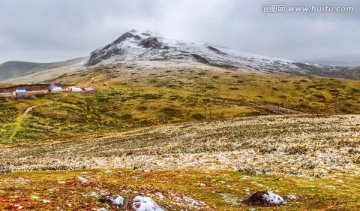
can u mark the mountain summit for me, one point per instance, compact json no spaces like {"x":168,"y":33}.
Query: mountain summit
{"x":147,"y":46}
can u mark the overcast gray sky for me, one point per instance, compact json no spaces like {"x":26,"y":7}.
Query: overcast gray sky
{"x":53,"y":30}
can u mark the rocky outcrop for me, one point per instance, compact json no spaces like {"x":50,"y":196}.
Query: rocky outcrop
{"x":134,"y":203}
{"x":151,"y":42}
{"x":265,"y":199}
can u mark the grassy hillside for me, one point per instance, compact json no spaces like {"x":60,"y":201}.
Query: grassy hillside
{"x":138,"y":98}
{"x":18,"y":68}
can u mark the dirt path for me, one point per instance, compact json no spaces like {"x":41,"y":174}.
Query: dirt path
{"x":19,"y":120}
{"x":280,"y":110}
{"x":28,"y":110}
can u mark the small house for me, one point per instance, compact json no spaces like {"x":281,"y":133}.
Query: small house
{"x":54,"y":88}
{"x":20,"y":91}
{"x":89,"y":89}
{"x":74,"y":89}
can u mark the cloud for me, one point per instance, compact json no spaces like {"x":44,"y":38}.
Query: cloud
{"x":44,"y":30}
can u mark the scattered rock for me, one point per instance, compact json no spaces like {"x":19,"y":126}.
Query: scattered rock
{"x":82,"y":180}
{"x":202,"y":185}
{"x":141,"y":203}
{"x":230,"y":199}
{"x":113,"y":200}
{"x":191,"y":202}
{"x":94,"y":194}
{"x":21,"y":180}
{"x":265,"y":199}
{"x":292,"y":197}
{"x":159,"y":195}
{"x":19,"y":207}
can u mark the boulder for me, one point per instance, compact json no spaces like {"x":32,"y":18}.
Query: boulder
{"x":264,"y":198}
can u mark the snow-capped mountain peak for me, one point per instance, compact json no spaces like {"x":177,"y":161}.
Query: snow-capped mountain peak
{"x":147,"y":46}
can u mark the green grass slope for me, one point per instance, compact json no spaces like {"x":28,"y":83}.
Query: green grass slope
{"x":151,"y":97}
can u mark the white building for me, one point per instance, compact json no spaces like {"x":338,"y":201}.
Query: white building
{"x":19,"y":91}
{"x":75,"y":89}
{"x":54,"y":88}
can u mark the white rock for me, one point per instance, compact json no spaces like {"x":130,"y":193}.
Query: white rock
{"x":82,"y":179}
{"x":273,"y":198}
{"x":160,"y":195}
{"x":143,"y":203}
{"x":94,"y":194}
{"x":19,"y":207}
{"x":190,"y":201}
{"x":46,"y":201}
{"x":116,"y":200}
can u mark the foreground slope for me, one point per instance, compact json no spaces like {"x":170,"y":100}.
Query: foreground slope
{"x":173,"y":189}
{"x":312,"y":161}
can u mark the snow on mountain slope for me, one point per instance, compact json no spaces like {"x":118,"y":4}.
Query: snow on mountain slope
{"x":136,"y":46}
{"x":149,"y":50}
